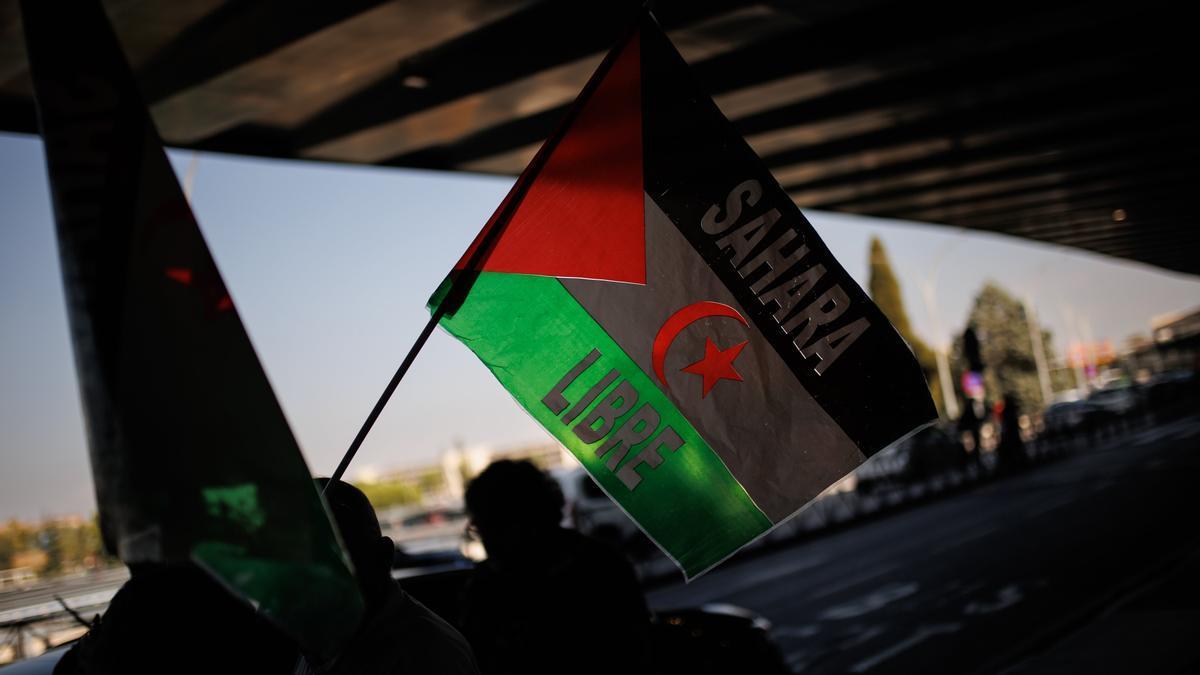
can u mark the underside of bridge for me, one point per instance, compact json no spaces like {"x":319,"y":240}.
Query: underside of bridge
{"x":1064,"y":122}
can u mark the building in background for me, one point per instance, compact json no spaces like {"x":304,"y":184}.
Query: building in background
{"x":1173,"y":345}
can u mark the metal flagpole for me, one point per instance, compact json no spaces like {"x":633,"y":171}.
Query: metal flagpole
{"x":1039,"y":352}
{"x":461,"y":284}
{"x":387,"y":393}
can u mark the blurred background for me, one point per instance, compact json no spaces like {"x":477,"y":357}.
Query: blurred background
{"x":1011,"y":184}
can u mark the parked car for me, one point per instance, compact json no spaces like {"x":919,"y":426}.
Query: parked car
{"x":883,"y":469}
{"x":928,"y":452}
{"x":1116,"y":401}
{"x":592,"y":512}
{"x":1170,"y":390}
{"x":434,"y":516}
{"x":1066,"y":418}
{"x":714,"y":639}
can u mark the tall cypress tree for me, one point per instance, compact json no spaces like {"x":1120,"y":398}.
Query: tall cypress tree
{"x":885,"y":291}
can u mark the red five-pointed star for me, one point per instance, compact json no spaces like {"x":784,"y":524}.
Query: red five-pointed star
{"x":717,"y":364}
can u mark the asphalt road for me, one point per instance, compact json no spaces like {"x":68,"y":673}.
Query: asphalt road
{"x":81,"y":591}
{"x":973,"y":582}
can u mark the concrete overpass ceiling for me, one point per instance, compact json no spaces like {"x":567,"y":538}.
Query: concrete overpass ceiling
{"x":1070,"y":122}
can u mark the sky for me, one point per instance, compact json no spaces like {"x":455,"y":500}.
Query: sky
{"x":330,"y":267}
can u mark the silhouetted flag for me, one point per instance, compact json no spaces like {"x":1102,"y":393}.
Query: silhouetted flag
{"x":191,"y":455}
{"x":660,"y":305}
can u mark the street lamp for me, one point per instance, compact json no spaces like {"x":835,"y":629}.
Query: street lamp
{"x":941,"y":345}
{"x":1035,"y":332}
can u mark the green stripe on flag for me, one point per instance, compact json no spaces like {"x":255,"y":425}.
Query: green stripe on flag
{"x":530,"y":332}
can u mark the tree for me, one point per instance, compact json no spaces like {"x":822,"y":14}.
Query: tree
{"x":15,"y":537}
{"x":391,"y":493}
{"x":885,"y":291}
{"x":1002,"y":328}
{"x":50,"y":540}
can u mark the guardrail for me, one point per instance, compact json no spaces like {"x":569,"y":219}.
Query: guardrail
{"x":31,"y":630}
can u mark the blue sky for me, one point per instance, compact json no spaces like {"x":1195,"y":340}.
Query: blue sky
{"x":330,"y":267}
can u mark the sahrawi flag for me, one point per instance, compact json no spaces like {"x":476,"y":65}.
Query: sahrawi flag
{"x":650,"y":295}
{"x":191,"y":456}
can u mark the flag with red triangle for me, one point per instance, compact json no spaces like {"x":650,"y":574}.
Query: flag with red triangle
{"x":192,"y":459}
{"x":653,"y":298}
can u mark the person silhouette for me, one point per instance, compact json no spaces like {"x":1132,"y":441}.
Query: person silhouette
{"x":397,"y":633}
{"x":969,"y":423}
{"x":1010,"y":453}
{"x":547,"y":599}
{"x":177,"y":619}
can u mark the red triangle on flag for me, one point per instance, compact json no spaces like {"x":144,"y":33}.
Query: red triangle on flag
{"x":582,"y":214}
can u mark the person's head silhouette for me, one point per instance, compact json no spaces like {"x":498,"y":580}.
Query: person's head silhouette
{"x":514,"y":506}
{"x":546,"y":591}
{"x":370,"y":552}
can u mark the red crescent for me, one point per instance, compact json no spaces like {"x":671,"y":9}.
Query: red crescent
{"x":680,"y":320}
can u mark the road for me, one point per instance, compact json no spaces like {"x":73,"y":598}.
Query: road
{"x":972,"y":582}
{"x":81,"y":591}
{"x":966,"y":583}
